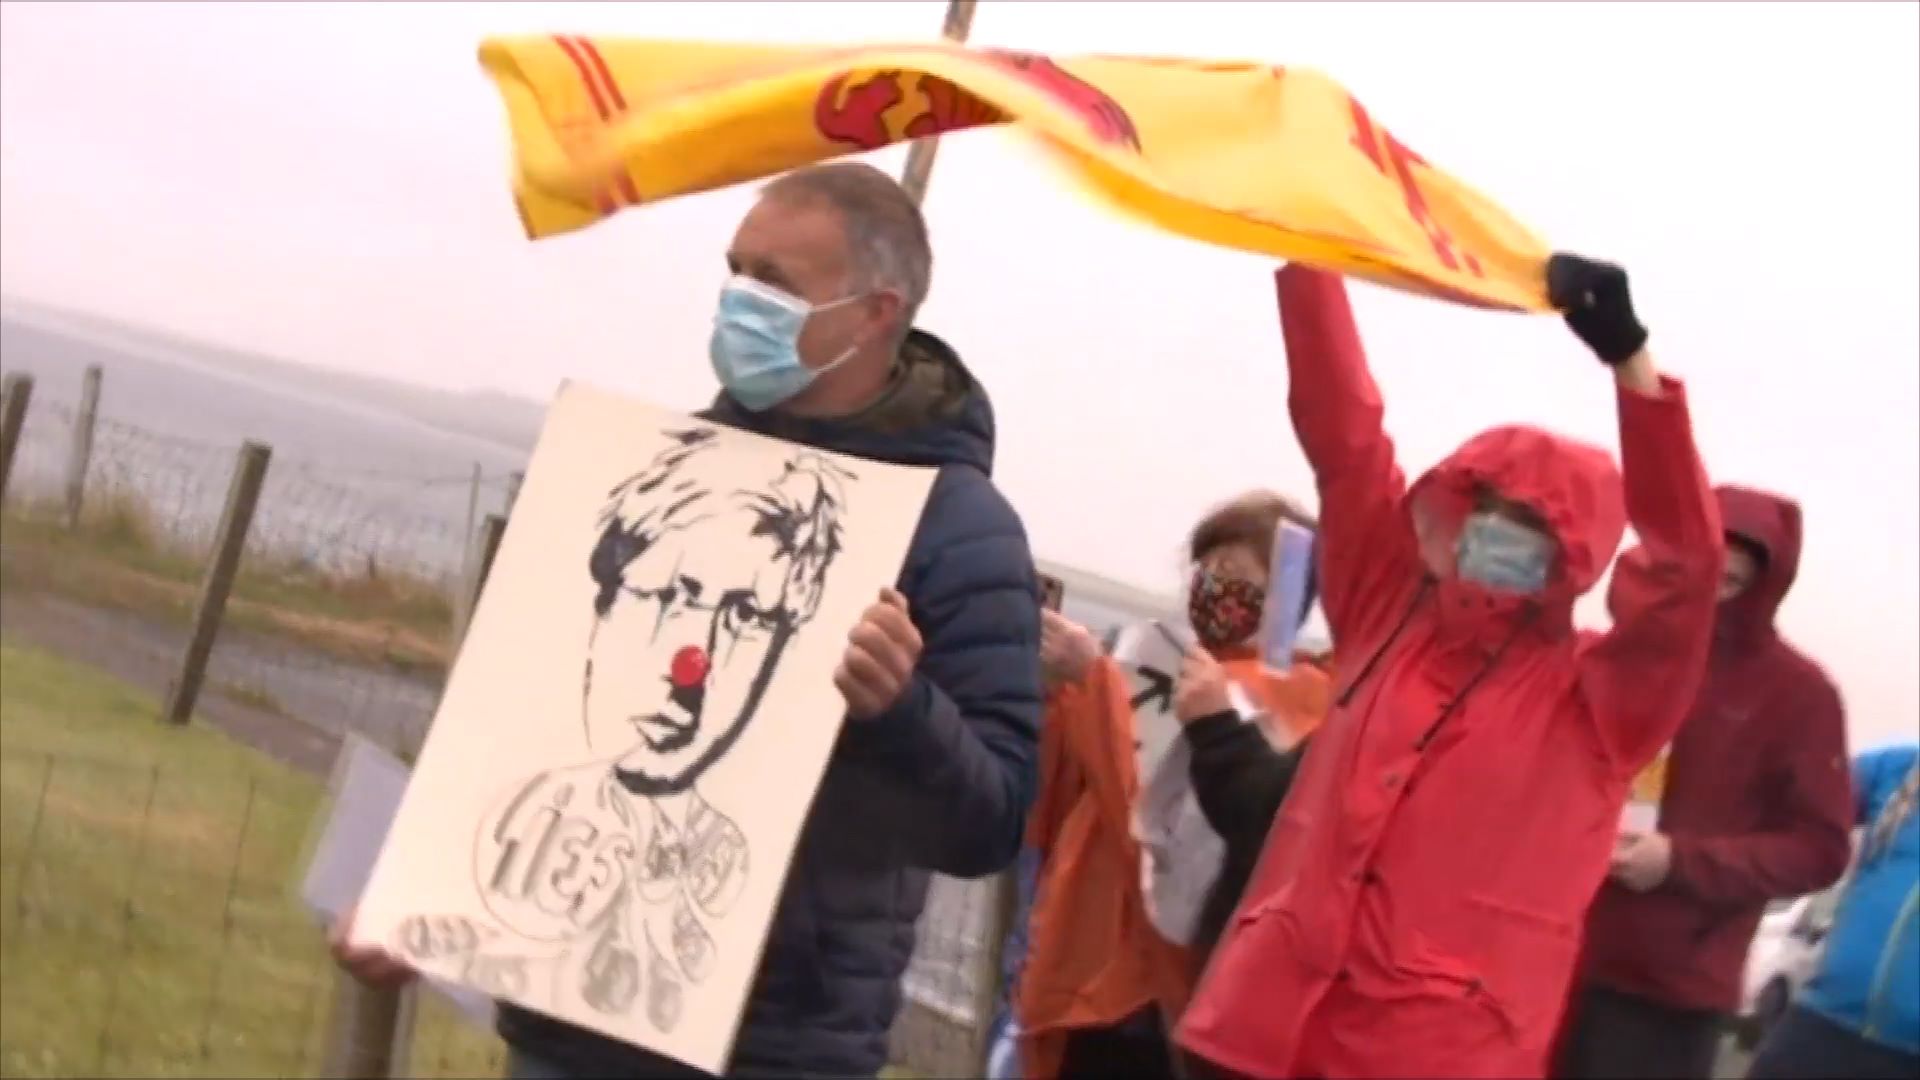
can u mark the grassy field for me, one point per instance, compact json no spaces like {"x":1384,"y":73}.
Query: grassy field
{"x":117,"y":559}
{"x":148,"y":925}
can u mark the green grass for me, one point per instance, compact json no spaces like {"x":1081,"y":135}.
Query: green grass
{"x":148,"y":924}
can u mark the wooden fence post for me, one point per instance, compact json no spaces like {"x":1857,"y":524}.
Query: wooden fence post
{"x":467,"y":536}
{"x":363,"y":1031}
{"x":485,"y":546}
{"x":249,"y":473}
{"x":15,"y":392}
{"x":81,"y":455}
{"x":370,"y":1035}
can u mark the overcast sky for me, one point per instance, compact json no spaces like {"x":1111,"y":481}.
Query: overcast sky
{"x":328,"y":183}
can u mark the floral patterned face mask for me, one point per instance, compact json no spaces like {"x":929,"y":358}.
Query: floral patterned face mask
{"x":1225,"y":611}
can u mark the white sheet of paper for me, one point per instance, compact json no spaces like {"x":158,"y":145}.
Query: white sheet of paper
{"x":365,"y":791}
{"x":643,"y":707}
{"x":1640,"y":817}
{"x":1152,"y":664}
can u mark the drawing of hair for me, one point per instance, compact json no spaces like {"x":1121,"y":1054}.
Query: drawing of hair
{"x":678,"y":539}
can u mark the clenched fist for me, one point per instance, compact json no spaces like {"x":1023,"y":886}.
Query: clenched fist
{"x":1067,"y":649}
{"x":881,"y":654}
{"x":1202,"y":689}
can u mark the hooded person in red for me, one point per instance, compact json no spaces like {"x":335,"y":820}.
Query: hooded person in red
{"x":1417,"y":908}
{"x":1756,"y":805}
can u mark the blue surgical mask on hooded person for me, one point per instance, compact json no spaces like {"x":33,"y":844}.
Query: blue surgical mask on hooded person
{"x":1504,"y":555}
{"x":755,"y":346}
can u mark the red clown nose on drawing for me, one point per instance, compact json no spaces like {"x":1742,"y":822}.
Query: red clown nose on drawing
{"x":689,"y":667}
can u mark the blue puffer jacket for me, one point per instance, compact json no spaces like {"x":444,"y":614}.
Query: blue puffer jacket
{"x":940,"y":784}
{"x":1869,"y":977}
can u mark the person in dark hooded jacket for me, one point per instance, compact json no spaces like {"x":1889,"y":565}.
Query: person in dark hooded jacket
{"x":1756,"y":805}
{"x":934,"y":769}
{"x":1417,"y":907}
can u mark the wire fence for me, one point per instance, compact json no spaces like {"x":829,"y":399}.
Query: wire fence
{"x":150,"y":927}
{"x":341,"y":619}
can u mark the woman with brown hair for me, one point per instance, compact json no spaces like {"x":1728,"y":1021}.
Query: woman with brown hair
{"x":1101,"y":987}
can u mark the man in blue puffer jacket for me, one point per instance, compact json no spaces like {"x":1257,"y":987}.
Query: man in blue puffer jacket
{"x":934,"y":769}
{"x":1860,"y":1014}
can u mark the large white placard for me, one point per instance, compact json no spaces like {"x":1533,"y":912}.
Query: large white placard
{"x":602,"y":816}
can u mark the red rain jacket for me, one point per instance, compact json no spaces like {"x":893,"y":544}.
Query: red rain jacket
{"x":1418,"y":905}
{"x":1758,"y":801}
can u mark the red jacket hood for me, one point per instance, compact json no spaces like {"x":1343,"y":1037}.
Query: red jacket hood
{"x":1759,"y":517}
{"x":1574,"y":486}
{"x":1773,"y":522}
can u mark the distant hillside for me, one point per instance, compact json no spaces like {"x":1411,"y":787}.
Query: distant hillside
{"x":488,"y":415}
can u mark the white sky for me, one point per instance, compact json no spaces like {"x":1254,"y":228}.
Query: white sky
{"x":328,"y":183}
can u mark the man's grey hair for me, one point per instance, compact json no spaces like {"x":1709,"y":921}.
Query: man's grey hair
{"x":886,"y":233}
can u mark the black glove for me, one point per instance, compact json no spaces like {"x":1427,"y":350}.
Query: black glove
{"x":1599,"y":309}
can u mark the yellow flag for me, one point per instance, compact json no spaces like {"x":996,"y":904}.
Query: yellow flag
{"x":1280,"y":161}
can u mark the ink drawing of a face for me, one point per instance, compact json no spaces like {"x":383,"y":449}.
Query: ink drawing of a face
{"x":700,"y":585}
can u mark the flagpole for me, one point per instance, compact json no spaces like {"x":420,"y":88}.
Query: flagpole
{"x":920,"y":156}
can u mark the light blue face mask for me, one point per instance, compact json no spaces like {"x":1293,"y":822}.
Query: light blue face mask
{"x":755,"y":346}
{"x":1504,"y":555}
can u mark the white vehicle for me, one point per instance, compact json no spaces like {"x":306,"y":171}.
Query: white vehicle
{"x":1785,"y":950}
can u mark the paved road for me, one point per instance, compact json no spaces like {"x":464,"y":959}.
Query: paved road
{"x":314,"y":699}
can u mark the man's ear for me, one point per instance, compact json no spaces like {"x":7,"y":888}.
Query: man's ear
{"x":884,"y":310}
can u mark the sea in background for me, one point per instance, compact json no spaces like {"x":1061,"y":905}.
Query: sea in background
{"x":349,"y":479}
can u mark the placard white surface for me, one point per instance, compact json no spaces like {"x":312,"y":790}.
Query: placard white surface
{"x":613,"y":786}
{"x":365,"y":793}
{"x":1151,"y":654}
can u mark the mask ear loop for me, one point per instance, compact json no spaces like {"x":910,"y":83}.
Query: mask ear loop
{"x":815,"y":309}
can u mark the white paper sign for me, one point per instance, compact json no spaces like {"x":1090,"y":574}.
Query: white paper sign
{"x":614,"y":783}
{"x":1180,"y":854}
{"x":1151,"y":655}
{"x":366,"y":789}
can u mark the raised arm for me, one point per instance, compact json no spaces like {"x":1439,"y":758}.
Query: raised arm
{"x":1369,"y":560}
{"x":1640,"y":679}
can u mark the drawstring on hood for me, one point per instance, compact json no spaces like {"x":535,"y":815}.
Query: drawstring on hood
{"x":1426,"y":585}
{"x":1574,"y":487}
